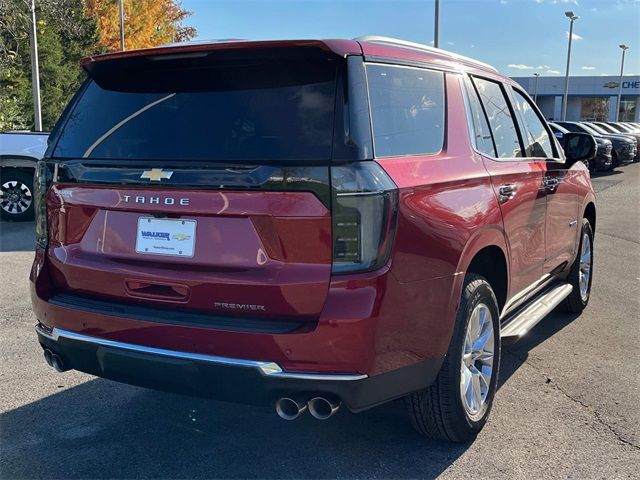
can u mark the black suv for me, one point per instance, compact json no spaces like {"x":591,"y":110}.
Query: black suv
{"x":624,"y":147}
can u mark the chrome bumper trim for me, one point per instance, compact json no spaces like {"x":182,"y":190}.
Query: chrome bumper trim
{"x":270,"y":369}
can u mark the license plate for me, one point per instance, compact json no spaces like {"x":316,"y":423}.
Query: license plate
{"x":161,"y":236}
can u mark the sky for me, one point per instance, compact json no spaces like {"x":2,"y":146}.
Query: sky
{"x":519,"y":37}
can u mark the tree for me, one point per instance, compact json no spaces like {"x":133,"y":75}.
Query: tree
{"x":147,"y":23}
{"x":65,"y":35}
{"x":14,"y":83}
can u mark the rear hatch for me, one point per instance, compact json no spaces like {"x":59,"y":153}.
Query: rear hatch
{"x":197,"y":187}
{"x":197,"y":183}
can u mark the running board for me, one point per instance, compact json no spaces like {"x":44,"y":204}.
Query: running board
{"x":525,"y":319}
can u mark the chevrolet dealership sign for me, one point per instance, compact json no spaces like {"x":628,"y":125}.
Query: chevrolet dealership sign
{"x":627,"y":84}
{"x":588,"y":86}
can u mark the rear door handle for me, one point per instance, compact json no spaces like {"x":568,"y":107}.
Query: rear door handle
{"x":507,"y":192}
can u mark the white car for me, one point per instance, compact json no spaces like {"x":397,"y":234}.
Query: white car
{"x":19,"y":152}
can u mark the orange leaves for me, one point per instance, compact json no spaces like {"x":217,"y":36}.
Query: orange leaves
{"x":147,"y":23}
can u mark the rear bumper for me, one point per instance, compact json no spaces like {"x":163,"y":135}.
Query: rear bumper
{"x":227,"y":379}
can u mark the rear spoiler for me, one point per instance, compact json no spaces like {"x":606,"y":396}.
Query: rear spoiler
{"x":341,"y":48}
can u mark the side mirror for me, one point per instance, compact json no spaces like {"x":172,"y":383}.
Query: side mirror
{"x":578,"y":147}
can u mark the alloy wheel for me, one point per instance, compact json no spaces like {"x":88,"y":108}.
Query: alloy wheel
{"x":15,"y":197}
{"x":476,"y":366}
{"x":584,"y":274}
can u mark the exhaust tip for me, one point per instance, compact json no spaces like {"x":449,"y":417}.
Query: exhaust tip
{"x":57,"y":363}
{"x":289,"y":408}
{"x":47,"y":357}
{"x":322,"y":408}
{"x":54,"y":361}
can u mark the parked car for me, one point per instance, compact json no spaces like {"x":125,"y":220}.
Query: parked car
{"x":623,"y":146}
{"x":603,"y":127}
{"x":307,"y":224}
{"x":602,"y":159}
{"x":19,"y":152}
{"x":620,"y":127}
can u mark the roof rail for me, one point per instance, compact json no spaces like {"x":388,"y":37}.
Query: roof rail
{"x":424,"y":48}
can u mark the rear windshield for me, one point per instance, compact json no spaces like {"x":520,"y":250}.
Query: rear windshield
{"x":260,"y":110}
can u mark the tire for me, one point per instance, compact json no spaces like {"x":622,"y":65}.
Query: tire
{"x":578,"y":299}
{"x":16,"y":195}
{"x":614,"y":160}
{"x":439,"y":411}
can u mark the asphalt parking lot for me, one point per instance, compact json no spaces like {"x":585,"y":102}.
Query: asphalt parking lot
{"x":567,"y":405}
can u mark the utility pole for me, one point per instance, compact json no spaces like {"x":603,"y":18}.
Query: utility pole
{"x":436,"y":25}
{"x":624,"y":49}
{"x":121,"y":11}
{"x":573,"y":18}
{"x":35,"y":69}
{"x":535,"y":89}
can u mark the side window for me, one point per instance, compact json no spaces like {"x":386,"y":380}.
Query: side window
{"x":503,"y":126}
{"x":478,"y":121}
{"x":537,"y":140}
{"x":407,"y":110}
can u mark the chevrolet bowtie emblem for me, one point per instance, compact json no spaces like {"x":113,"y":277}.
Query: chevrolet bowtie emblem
{"x":156,"y":174}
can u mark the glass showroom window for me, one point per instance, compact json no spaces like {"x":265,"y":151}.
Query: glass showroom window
{"x":595,"y":109}
{"x":628,"y":107}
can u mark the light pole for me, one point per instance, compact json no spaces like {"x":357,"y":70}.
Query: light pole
{"x":35,"y":70}
{"x":573,"y":18}
{"x":624,"y":49}
{"x":436,"y":25}
{"x":535,"y":88}
{"x":121,"y":12}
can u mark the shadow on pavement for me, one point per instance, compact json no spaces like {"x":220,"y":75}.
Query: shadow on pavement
{"x":513,"y":356}
{"x":17,"y":236}
{"x":101,"y":429}
{"x":602,"y":174}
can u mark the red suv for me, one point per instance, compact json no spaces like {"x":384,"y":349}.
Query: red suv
{"x":307,"y":224}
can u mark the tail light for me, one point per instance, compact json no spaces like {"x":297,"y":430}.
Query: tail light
{"x":40,"y":187}
{"x":364,"y":209}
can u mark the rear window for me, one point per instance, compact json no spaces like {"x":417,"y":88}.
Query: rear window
{"x":259,"y":110}
{"x":407,"y":110}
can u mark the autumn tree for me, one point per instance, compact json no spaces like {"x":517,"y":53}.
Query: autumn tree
{"x":147,"y":23}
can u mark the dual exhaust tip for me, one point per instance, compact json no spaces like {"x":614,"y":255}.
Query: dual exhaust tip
{"x":54,"y":361}
{"x":321,"y":408}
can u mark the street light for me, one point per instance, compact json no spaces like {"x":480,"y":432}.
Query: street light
{"x":573,"y":18}
{"x":121,"y":13}
{"x":535,"y":88}
{"x":624,"y":49}
{"x":436,"y":25}
{"x":35,"y":71}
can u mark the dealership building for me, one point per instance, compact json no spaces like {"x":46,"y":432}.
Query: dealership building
{"x":589,"y":98}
